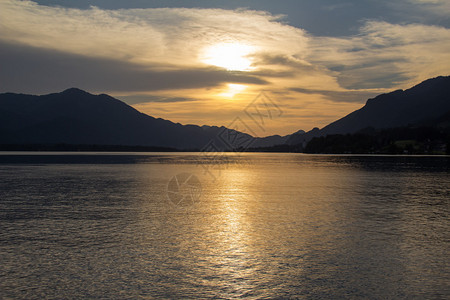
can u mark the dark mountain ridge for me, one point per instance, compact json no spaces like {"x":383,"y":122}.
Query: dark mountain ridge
{"x":422,"y":104}
{"x":80,"y":118}
{"x":427,"y":100}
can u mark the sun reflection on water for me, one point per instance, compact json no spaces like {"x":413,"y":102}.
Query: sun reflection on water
{"x":276,"y":226}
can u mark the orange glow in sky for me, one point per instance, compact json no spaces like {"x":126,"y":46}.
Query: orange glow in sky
{"x":232,"y":90}
{"x":204,"y":65}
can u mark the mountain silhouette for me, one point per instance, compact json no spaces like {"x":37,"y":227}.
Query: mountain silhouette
{"x":80,"y":118}
{"x":425,"y":103}
{"x":427,"y":100}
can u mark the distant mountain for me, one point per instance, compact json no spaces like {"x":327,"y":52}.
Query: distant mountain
{"x":423,"y":104}
{"x":302,"y":138}
{"x":427,"y":100}
{"x":80,"y":118}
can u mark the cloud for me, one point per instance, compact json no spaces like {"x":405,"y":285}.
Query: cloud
{"x":157,"y":52}
{"x":160,"y":48}
{"x":145,"y":36}
{"x":438,"y":7}
{"x":138,"y":99}
{"x":339,"y":96}
{"x":385,"y":55}
{"x":54,"y":71}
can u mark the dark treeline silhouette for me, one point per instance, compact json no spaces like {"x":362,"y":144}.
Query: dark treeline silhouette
{"x":422,"y":140}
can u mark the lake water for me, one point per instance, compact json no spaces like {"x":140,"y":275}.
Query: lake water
{"x":191,"y":225}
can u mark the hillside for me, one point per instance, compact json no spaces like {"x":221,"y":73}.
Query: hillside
{"x":427,"y":100}
{"x":76,"y":117}
{"x":80,"y":118}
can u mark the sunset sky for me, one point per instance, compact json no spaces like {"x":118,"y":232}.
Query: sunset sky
{"x":203,"y":62}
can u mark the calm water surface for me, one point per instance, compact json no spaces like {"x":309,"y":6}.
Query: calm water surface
{"x":262,"y":226}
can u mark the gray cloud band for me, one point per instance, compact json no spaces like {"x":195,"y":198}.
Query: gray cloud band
{"x":35,"y":70}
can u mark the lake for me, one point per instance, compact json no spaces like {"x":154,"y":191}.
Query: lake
{"x":211,"y":225}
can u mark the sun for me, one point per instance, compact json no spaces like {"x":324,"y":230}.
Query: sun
{"x":231,"y":56}
{"x":232,"y":90}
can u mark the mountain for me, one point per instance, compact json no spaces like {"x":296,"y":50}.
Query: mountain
{"x":80,"y":118}
{"x":414,"y":121}
{"x":302,"y":138}
{"x":427,"y":100}
{"x":423,"y":104}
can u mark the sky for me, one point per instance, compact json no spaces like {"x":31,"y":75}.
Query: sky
{"x":204,"y":62}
